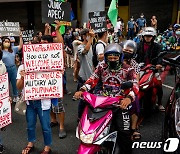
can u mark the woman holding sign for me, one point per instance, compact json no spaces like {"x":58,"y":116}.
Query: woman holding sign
{"x":8,"y":58}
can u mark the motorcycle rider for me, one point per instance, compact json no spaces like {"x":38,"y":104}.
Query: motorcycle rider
{"x":112,"y":73}
{"x":129,"y":50}
{"x":147,"y":51}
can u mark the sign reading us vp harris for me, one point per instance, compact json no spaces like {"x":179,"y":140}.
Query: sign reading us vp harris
{"x":5,"y":105}
{"x":98,"y":21}
{"x":9,"y":28}
{"x":55,"y":10}
{"x":43,"y":64}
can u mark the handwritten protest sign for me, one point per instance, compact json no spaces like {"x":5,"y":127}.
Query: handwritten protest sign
{"x":98,"y":21}
{"x":27,"y":35}
{"x":55,"y":10}
{"x":43,"y":85}
{"x":43,"y":57}
{"x":9,"y":29}
{"x":5,"y":105}
{"x":5,"y":112}
{"x":4,"y":86}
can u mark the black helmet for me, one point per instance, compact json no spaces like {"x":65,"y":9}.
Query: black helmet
{"x":116,"y":50}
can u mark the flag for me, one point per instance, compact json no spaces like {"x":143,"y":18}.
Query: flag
{"x":113,"y":12}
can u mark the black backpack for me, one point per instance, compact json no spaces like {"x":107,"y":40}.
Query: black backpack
{"x":95,"y":58}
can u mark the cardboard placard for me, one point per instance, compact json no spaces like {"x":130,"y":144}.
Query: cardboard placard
{"x":54,"y":10}
{"x":43,"y":85}
{"x":5,"y":112}
{"x":98,"y":21}
{"x":4,"y":86}
{"x":27,"y":35}
{"x":43,"y":57}
{"x":9,"y":29}
{"x":5,"y":105}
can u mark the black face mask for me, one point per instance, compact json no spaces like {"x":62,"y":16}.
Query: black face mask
{"x":128,"y":55}
{"x":114,"y":65}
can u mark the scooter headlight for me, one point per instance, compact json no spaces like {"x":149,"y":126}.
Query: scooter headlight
{"x":87,"y":138}
{"x":146,"y":86}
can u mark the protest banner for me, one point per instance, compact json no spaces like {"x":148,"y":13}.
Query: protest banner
{"x":43,"y":85}
{"x":43,"y":57}
{"x":9,"y":29}
{"x":5,"y":112}
{"x":27,"y":35}
{"x":55,"y":10}
{"x":5,"y":105}
{"x":98,"y":21}
{"x":4,"y":86}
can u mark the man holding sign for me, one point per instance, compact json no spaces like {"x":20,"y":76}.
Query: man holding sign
{"x":39,"y":103}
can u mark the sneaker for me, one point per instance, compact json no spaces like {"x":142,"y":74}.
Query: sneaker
{"x":2,"y":149}
{"x":161,"y":108}
{"x":62,"y":133}
{"x":74,"y":99}
{"x":67,"y":92}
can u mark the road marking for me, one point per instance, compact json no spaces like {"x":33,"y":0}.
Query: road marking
{"x":168,"y":86}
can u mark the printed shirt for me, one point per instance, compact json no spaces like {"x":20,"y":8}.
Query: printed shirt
{"x":135,"y":65}
{"x":113,"y":80}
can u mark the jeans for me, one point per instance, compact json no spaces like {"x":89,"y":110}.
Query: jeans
{"x":12,"y":74}
{"x":34,"y":109}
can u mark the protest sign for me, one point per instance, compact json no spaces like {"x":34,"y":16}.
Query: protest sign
{"x":27,"y":35}
{"x":4,"y":86}
{"x":54,"y":10}
{"x":9,"y":29}
{"x":98,"y":21}
{"x":43,"y":85}
{"x":43,"y":57}
{"x":5,"y":105}
{"x":5,"y":112}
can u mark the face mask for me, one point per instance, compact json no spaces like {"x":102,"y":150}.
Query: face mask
{"x":177,"y":32}
{"x":142,"y":16}
{"x":131,"y":19}
{"x":113,"y":65}
{"x":128,"y":55}
{"x":6,"y":45}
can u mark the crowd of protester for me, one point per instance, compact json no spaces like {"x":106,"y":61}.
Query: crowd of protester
{"x":84,"y":52}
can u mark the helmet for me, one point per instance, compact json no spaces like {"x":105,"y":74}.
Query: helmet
{"x":130,"y":45}
{"x":114,"y":49}
{"x":149,"y":31}
{"x":176,"y":26}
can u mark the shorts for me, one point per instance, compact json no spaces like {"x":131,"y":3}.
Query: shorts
{"x":59,"y":108}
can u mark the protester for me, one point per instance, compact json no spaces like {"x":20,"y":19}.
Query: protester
{"x":75,"y":44}
{"x":85,"y":55}
{"x":8,"y":58}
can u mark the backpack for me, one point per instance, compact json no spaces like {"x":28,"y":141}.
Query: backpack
{"x":95,"y":58}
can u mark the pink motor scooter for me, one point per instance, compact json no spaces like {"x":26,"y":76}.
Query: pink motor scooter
{"x":94,"y":128}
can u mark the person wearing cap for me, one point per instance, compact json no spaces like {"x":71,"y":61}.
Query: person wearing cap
{"x":131,"y":28}
{"x":85,"y":55}
{"x":141,"y":22}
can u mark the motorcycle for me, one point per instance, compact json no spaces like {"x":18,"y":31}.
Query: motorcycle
{"x":95,"y":126}
{"x":148,"y":87}
{"x":172,"y":109}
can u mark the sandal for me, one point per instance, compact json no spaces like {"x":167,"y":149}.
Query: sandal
{"x":46,"y":152}
{"x":28,"y":150}
{"x":135,"y":134}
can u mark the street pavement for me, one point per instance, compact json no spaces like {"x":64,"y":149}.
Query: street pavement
{"x":15,"y":137}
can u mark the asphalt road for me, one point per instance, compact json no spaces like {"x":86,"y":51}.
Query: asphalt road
{"x":15,"y":138}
